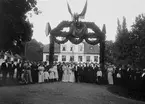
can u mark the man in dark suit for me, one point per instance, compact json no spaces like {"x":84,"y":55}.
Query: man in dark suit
{"x":76,"y":73}
{"x":11,"y":68}
{"x":4,"y":69}
{"x":19,"y":67}
{"x":60,"y":71}
{"x":86,"y":73}
{"x":34,"y":72}
{"x":79,"y":73}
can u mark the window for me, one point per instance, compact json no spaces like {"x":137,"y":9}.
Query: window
{"x":80,"y":48}
{"x":80,"y":58}
{"x":87,"y":58}
{"x":55,"y":57}
{"x":47,"y":57}
{"x":95,"y":58}
{"x":71,"y":48}
{"x":63,"y":58}
{"x":71,"y":58}
{"x":63,"y":48}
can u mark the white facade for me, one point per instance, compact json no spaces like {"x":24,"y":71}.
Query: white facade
{"x":71,"y":52}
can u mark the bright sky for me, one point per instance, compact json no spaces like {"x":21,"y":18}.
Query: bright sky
{"x":98,"y":11}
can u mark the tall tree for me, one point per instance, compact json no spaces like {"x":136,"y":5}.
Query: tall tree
{"x":34,"y":50}
{"x":14,"y":29}
{"x":109,"y":45}
{"x":138,"y":37}
{"x":121,"y":48}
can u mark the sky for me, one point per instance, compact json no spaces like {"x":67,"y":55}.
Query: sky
{"x":98,"y":11}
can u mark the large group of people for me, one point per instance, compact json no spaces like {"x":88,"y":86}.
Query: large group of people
{"x":129,"y":76}
{"x":39,"y":72}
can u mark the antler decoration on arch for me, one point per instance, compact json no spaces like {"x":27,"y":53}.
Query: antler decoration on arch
{"x":82,"y":14}
{"x":78,"y":30}
{"x":76,"y":16}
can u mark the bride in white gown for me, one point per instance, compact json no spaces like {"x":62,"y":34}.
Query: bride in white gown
{"x":68,"y":73}
{"x":65,"y":73}
{"x":71,"y":75}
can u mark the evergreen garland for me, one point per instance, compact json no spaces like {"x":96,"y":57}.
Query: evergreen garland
{"x":78,"y":37}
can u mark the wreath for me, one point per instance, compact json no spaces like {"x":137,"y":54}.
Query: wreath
{"x":92,"y":42}
{"x":77,"y":34}
{"x":93,"y":26}
{"x":58,"y":30}
{"x":60,"y":41}
{"x":75,"y":40}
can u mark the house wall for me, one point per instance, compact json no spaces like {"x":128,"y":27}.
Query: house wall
{"x":78,"y":50}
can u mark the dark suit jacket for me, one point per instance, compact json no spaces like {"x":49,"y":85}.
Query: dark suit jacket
{"x":11,"y":67}
{"x":19,"y":67}
{"x":4,"y":67}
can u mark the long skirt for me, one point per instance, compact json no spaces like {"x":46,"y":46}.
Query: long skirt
{"x":110,"y":78}
{"x":65,"y":77}
{"x":34,"y":76}
{"x":51,"y":75}
{"x":40,"y":76}
{"x":56,"y":75}
{"x":72,"y":77}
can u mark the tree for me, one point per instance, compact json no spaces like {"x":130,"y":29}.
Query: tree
{"x":122,"y":43}
{"x":109,"y":45}
{"x":14,"y":29}
{"x":34,"y":50}
{"x":138,"y":40}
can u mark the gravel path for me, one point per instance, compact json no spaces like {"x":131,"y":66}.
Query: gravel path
{"x":61,"y":93}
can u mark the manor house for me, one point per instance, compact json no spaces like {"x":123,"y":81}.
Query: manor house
{"x":69,"y":52}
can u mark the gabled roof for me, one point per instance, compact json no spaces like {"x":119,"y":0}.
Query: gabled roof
{"x":56,"y":48}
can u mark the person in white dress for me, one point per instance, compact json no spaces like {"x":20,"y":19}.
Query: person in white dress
{"x":41,"y":73}
{"x":51,"y":74}
{"x":65,"y":73}
{"x":99,"y":75}
{"x":55,"y":72}
{"x":71,"y":75}
{"x":46,"y":75}
{"x":110,"y":75}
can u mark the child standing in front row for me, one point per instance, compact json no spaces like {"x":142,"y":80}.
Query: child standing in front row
{"x":46,"y":76}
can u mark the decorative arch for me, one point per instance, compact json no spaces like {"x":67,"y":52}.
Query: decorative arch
{"x":78,"y":31}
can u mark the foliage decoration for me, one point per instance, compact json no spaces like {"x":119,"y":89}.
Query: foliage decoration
{"x":92,"y":42}
{"x":77,"y":32}
{"x":75,"y":40}
{"x":58,"y":30}
{"x":60,"y":41}
{"x":78,"y":29}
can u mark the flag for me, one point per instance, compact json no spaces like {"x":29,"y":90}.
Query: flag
{"x":48,"y":29}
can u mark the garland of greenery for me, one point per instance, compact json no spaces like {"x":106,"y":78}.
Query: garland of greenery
{"x":93,"y":26}
{"x":60,"y":41}
{"x":93,"y":42}
{"x":78,"y":37}
{"x":75,"y":40}
{"x":58,"y":30}
{"x":91,"y":35}
{"x":79,"y":31}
